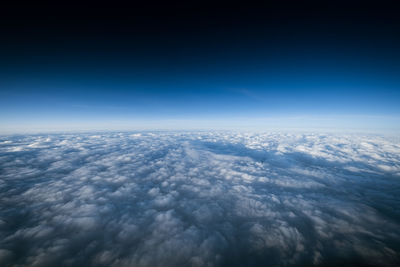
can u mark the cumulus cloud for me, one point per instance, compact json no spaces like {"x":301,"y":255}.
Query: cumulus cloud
{"x":199,"y":199}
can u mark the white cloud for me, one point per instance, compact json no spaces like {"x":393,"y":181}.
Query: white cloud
{"x":199,"y":199}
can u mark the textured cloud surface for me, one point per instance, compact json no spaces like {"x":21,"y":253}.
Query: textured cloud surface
{"x":199,"y":199}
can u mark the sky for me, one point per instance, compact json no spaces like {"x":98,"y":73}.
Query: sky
{"x":194,"y":65}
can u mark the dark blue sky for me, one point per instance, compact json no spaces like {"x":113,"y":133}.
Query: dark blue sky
{"x":73,"y":66}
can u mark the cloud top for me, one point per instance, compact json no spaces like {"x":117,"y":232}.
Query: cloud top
{"x":199,"y":199}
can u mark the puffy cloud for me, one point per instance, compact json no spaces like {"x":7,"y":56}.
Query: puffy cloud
{"x":199,"y":199}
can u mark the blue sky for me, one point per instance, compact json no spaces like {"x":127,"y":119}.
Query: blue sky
{"x":205,"y":97}
{"x":201,"y":70}
{"x":236,"y":93}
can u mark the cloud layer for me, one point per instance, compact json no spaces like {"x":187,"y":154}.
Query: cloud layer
{"x":199,"y":199}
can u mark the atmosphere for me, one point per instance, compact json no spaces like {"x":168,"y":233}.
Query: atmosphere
{"x":147,"y":65}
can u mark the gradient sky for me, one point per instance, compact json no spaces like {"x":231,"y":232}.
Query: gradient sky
{"x":199,"y":66}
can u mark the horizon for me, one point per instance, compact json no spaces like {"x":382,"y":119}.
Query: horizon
{"x":320,"y":124}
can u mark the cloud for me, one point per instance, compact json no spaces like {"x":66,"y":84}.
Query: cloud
{"x":199,"y":199}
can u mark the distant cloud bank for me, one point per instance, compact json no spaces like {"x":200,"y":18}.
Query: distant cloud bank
{"x":199,"y":199}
